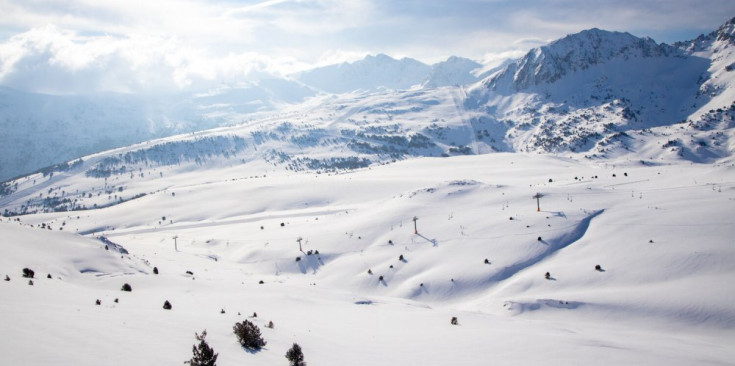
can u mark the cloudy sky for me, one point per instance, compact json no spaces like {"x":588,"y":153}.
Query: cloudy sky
{"x":75,"y":46}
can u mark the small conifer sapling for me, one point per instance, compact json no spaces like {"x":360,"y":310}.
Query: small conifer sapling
{"x":203,"y":354}
{"x":295,"y":356}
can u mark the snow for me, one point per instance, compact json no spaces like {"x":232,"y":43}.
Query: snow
{"x":305,"y":214}
{"x":666,"y":301}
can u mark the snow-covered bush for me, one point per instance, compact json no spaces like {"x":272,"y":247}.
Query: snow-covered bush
{"x":248,"y":334}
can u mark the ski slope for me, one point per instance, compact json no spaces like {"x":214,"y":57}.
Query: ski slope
{"x":660,"y":233}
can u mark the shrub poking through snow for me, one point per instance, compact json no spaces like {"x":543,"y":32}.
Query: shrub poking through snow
{"x":126,"y":287}
{"x":269,"y":325}
{"x":30,"y":282}
{"x":487,"y":261}
{"x":298,"y":259}
{"x":380,"y":278}
{"x":155,"y":270}
{"x":49,"y":276}
{"x":28,"y":273}
{"x":7,"y":278}
{"x":167,"y":305}
{"x":547,"y":275}
{"x":248,"y":334}
{"x":203,"y":354}
{"x":539,"y":238}
{"x":454,"y":321}
{"x":370,"y":271}
{"x":295,"y":356}
{"x":598,"y":268}
{"x":98,"y":302}
{"x":400,"y":258}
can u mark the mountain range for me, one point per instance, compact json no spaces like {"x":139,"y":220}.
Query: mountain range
{"x":598,"y":93}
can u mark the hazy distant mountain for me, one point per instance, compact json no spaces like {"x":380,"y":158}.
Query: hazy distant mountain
{"x":38,"y":130}
{"x":453,"y":71}
{"x":370,"y":73}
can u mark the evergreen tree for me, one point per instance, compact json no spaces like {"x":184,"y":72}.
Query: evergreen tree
{"x":203,"y":354}
{"x":248,"y":334}
{"x":295,"y":356}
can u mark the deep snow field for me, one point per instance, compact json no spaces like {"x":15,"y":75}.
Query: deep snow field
{"x":662,"y":234}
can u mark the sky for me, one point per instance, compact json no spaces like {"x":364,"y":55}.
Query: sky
{"x":82,"y":46}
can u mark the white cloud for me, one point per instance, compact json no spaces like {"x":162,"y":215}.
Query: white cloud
{"x":61,"y":62}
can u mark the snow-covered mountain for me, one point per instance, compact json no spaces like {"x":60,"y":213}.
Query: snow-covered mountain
{"x":453,"y":71}
{"x":382,"y":72}
{"x":607,"y":94}
{"x":370,"y":73}
{"x":572,"y":54}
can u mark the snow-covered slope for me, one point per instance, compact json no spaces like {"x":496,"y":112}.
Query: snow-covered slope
{"x":365,"y":278}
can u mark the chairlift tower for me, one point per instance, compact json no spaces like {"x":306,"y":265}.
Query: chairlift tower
{"x":538,"y":196}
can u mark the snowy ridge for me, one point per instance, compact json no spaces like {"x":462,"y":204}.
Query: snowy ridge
{"x":573,"y":53}
{"x":372,"y":72}
{"x":453,"y":71}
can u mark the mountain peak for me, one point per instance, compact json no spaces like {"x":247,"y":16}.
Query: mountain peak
{"x":574,"y":52}
{"x":726,"y":32}
{"x":372,"y":72}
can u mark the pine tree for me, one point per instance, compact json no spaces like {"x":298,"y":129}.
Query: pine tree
{"x":248,"y":334}
{"x":203,"y":354}
{"x":295,"y":356}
